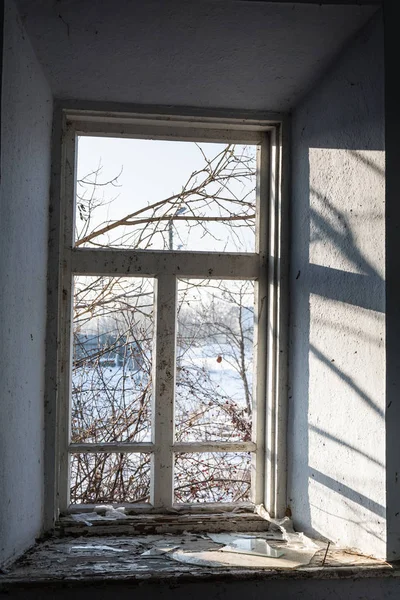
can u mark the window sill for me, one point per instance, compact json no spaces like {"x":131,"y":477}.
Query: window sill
{"x":147,"y":524}
{"x":83,"y":561}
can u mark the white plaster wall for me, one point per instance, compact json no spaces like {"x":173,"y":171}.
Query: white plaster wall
{"x":24,"y":195}
{"x":336,"y":480}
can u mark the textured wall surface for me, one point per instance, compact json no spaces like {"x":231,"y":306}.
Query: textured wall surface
{"x":337,"y":394}
{"x":245,"y":55}
{"x":25,"y":167}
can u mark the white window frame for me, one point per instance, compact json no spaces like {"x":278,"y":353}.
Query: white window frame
{"x":265,"y":266}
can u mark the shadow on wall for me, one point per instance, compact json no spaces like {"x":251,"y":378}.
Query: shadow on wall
{"x":337,"y":290}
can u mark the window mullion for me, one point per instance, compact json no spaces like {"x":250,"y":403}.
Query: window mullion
{"x":164,"y":390}
{"x":145,"y":263}
{"x":260,"y":324}
{"x":65,"y":324}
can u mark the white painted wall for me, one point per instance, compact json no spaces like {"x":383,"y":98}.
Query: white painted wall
{"x":336,"y":481}
{"x":25,"y":170}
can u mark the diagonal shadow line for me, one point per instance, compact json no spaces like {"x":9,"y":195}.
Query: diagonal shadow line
{"x":333,"y":438}
{"x":348,"y":492}
{"x":318,"y":354}
{"x":366,"y":291}
{"x":362,"y":524}
{"x":352,"y":330}
{"x":368,"y":162}
{"x":343,"y":241}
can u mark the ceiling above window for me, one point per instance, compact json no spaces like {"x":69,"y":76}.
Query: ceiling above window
{"x":239,"y":55}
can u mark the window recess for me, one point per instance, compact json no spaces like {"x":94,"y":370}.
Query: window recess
{"x":168,"y":312}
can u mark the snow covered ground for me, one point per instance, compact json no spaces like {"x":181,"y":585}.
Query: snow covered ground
{"x":114,"y":404}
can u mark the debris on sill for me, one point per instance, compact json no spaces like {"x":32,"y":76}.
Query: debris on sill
{"x":160,"y":546}
{"x":227,"y":541}
{"x":285,"y":549}
{"x":163,"y":548}
{"x":185,"y":555}
{"x":253,"y":546}
{"x":110,"y":513}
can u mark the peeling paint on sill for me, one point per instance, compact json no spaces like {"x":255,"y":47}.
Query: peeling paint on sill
{"x":82,"y":560}
{"x":150,"y":524}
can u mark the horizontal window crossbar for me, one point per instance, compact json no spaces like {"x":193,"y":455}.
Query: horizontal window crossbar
{"x":215,"y":447}
{"x":196,"y":265}
{"x":123,"y":447}
{"x":145,"y":447}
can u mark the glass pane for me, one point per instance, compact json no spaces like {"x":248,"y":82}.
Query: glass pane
{"x":112,"y":359}
{"x":214,"y":360}
{"x":107,"y":478}
{"x":159,"y":194}
{"x":213,"y":477}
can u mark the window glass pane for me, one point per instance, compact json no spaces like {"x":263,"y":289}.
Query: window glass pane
{"x":106,"y":478}
{"x":214,"y":360}
{"x":112,"y":359}
{"x":164,"y":195}
{"x":212,"y":477}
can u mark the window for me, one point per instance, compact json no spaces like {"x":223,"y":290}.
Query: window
{"x":168,"y":313}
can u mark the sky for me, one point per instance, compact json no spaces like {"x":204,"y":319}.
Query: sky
{"x":149,"y":171}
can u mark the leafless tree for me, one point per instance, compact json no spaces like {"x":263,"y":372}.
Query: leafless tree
{"x":112,"y":362}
